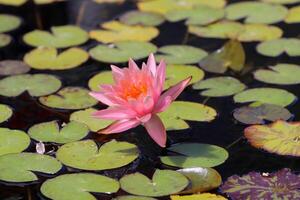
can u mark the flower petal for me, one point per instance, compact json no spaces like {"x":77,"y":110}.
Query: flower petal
{"x":151,"y":64}
{"x":102,"y":98}
{"x":163,"y":104}
{"x":132,"y":65}
{"x":156,"y":130}
{"x":115,"y":113}
{"x":116,"y":72}
{"x":176,"y":90}
{"x":120,"y":126}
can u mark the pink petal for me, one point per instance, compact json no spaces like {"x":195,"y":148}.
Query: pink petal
{"x":160,"y":78}
{"x":151,"y":64}
{"x":132,"y":65}
{"x":120,"y":126}
{"x":102,"y":98}
{"x":115,"y":113}
{"x":116,"y":72}
{"x":163,"y":104}
{"x":156,"y":130}
{"x":145,"y":118}
{"x":176,"y":90}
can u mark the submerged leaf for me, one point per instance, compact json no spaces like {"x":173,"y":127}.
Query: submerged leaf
{"x":13,"y":67}
{"x":9,"y":22}
{"x":136,"y":17}
{"x":5,"y":112}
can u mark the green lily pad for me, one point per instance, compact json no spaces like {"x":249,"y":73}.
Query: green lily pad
{"x":104,"y":77}
{"x":261,"y":113}
{"x":78,"y":186}
{"x":282,"y":74}
{"x":179,"y":111}
{"x":9,"y":22}
{"x":293,"y":15}
{"x":255,"y":12}
{"x":164,"y":182}
{"x":219,"y":86}
{"x":132,"y":197}
{"x":13,"y":141}
{"x":274,"y":48}
{"x":4,"y":40}
{"x":281,"y":1}
{"x":136,"y":17}
{"x":36,"y":85}
{"x":61,"y":37}
{"x":13,"y":67}
{"x":85,"y":117}
{"x":86,"y":155}
{"x":13,"y":2}
{"x":122,"y":51}
{"x":71,"y":98}
{"x":180,"y":54}
{"x":5,"y":112}
{"x":200,"y":15}
{"x":51,"y":132}
{"x":265,"y":95}
{"x":43,"y":58}
{"x":19,"y":167}
{"x":195,"y":155}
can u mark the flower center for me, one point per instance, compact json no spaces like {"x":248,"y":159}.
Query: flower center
{"x":133,"y":91}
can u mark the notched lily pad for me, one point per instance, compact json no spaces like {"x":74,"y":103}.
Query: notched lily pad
{"x":9,"y":22}
{"x":293,"y":15}
{"x":136,"y":17}
{"x":4,"y":40}
{"x":5,"y":112}
{"x":13,"y":67}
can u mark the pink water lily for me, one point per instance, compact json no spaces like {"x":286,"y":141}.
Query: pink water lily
{"x":136,"y":97}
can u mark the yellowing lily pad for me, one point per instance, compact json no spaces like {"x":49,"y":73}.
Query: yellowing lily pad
{"x":9,"y":22}
{"x":115,"y":31}
{"x":86,"y":155}
{"x":13,"y":2}
{"x":13,"y":67}
{"x":281,"y":1}
{"x":44,"y":58}
{"x":203,"y":196}
{"x":164,"y":182}
{"x":5,"y":112}
{"x":4,"y":40}
{"x":136,"y":17}
{"x":61,"y":37}
{"x":72,"y":98}
{"x":78,"y":186}
{"x":293,"y":15}
{"x":280,"y":137}
{"x":121,"y":51}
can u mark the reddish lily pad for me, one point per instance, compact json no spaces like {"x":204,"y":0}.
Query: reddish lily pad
{"x":13,"y":67}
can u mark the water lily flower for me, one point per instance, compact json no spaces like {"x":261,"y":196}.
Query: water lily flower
{"x":136,"y":97}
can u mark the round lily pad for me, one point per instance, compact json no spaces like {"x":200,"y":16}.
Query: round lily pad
{"x":180,"y":54}
{"x":78,"y":186}
{"x":36,"y":85}
{"x":195,"y":155}
{"x":13,"y":141}
{"x":179,"y":111}
{"x":293,"y":15}
{"x":136,"y":17}
{"x":13,"y":67}
{"x":19,"y":167}
{"x":202,"y":196}
{"x":13,"y":2}
{"x":43,"y":58}
{"x":108,"y":1}
{"x":5,"y":112}
{"x":132,"y":197}
{"x":71,"y":98}
{"x":281,"y":1}
{"x":104,"y":77}
{"x":9,"y":22}
{"x":164,"y":182}
{"x":86,"y":155}
{"x":115,"y":31}
{"x":219,"y":86}
{"x":122,"y":51}
{"x":265,"y":95}
{"x":4,"y":40}
{"x":42,"y":2}
{"x":52,"y":132}
{"x":61,"y":37}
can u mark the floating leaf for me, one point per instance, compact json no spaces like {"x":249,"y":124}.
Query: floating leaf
{"x":280,"y":137}
{"x":122,"y":51}
{"x":4,"y":40}
{"x":13,"y":67}
{"x":195,"y":155}
{"x":164,"y":182}
{"x":265,"y":95}
{"x":5,"y":112}
{"x":132,"y":197}
{"x":282,"y":184}
{"x":281,"y":1}
{"x":19,"y":167}
{"x":41,"y":2}
{"x":115,"y":31}
{"x":255,"y":12}
{"x":78,"y":186}
{"x":43,"y":58}
{"x":12,"y":141}
{"x":51,"y":132}
{"x":9,"y":22}
{"x":61,"y":37}
{"x":173,"y":118}
{"x":104,"y":77}
{"x":203,"y":196}
{"x":258,"y":114}
{"x":34,"y":84}
{"x":86,"y":155}
{"x":219,"y":86}
{"x":109,"y":1}
{"x":12,"y":2}
{"x":72,"y":98}
{"x":136,"y":17}
{"x":180,"y":54}
{"x":274,"y":48}
{"x":293,"y":15}
{"x":200,"y":15}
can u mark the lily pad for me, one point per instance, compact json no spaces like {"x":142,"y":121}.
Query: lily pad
{"x":282,"y":184}
{"x":13,"y":67}
{"x":71,"y":98}
{"x":5,"y":112}
{"x":86,"y":155}
{"x":219,"y":86}
{"x":13,"y":2}
{"x":34,"y":84}
{"x":9,"y":22}
{"x":61,"y":37}
{"x":51,"y":132}
{"x":44,"y":58}
{"x":164,"y":182}
{"x":200,"y":15}
{"x":261,"y":113}
{"x":281,"y":1}
{"x":179,"y":111}
{"x":19,"y":167}
{"x":274,"y":96}
{"x":280,"y":137}
{"x":180,"y":54}
{"x":203,"y":196}
{"x":255,"y":12}
{"x":191,"y":155}
{"x":132,"y":197}
{"x":274,"y":48}
{"x":104,"y":77}
{"x":78,"y":186}
{"x":121,"y":51}
{"x":13,"y":141}
{"x":293,"y":15}
{"x":115,"y":31}
{"x":136,"y":17}
{"x":109,"y":1}
{"x":4,"y":40}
